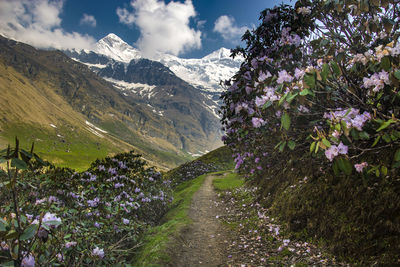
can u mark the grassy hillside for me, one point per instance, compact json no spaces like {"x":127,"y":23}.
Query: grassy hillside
{"x":47,"y":98}
{"x":219,"y":159}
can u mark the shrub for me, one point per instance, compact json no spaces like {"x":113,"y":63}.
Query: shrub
{"x":55,"y":216}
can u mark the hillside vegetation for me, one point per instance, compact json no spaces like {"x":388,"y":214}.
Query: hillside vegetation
{"x":44,"y":88}
{"x":312,"y":119}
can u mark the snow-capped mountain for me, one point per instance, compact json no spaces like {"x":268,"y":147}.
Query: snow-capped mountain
{"x":114,"y":47}
{"x":192,"y":113}
{"x":207,"y":72}
{"x":203,"y":73}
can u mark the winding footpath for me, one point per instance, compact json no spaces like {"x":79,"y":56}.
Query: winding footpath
{"x":205,"y":241}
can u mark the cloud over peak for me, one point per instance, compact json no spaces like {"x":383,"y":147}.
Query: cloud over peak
{"x":163,"y":27}
{"x":88,"y":20}
{"x":225,"y":25}
{"x":38,"y":22}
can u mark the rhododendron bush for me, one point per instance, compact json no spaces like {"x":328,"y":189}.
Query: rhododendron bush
{"x":322,"y":78}
{"x":57,"y":217}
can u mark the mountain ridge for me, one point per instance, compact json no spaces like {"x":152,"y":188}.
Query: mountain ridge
{"x":123,"y":115}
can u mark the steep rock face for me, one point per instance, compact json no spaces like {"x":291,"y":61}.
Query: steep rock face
{"x":123,"y":113}
{"x":152,"y":83}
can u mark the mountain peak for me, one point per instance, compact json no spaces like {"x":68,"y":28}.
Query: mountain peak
{"x":111,"y":37}
{"x":116,"y":48}
{"x":219,"y":54}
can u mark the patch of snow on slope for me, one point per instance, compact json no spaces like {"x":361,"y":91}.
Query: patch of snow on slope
{"x":141,"y":89}
{"x":93,"y":129}
{"x":213,"y":109}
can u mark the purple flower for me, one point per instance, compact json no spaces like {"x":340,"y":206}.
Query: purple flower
{"x":70,"y":244}
{"x":263,"y":76}
{"x":284,"y":77}
{"x":342,"y":149}
{"x":257,"y":122}
{"x":97,"y":225}
{"x":28,"y":261}
{"x":98,"y":252}
{"x":118,"y":185}
{"x":125,"y":221}
{"x":52,"y":199}
{"x":50,"y":217}
{"x":101,"y":168}
{"x":93,"y":203}
{"x":331,"y":152}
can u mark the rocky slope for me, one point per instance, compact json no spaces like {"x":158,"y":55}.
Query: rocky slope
{"x":84,"y":96}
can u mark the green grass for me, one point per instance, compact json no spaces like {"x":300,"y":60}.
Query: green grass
{"x":220,"y":157}
{"x":72,"y":150}
{"x":230,"y":181}
{"x":154,"y":251}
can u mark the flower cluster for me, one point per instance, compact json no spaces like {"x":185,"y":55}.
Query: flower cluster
{"x":93,"y":214}
{"x":299,"y":80}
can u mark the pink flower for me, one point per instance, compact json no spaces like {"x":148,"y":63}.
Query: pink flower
{"x":331,"y":152}
{"x":361,"y":166}
{"x":336,"y":134}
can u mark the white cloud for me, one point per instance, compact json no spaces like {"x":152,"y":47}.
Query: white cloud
{"x":163,"y":27}
{"x":225,"y":26}
{"x":38,"y":22}
{"x":88,"y":20}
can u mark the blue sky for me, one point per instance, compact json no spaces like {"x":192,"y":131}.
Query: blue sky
{"x":181,"y":27}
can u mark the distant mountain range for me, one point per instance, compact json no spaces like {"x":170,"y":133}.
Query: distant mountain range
{"x":204,"y":74}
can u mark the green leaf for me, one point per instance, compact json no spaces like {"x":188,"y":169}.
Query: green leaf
{"x":386,"y":138}
{"x":309,"y":79}
{"x":306,"y":91}
{"x":277,"y":145}
{"x":285,"y":121}
{"x":267,"y":105}
{"x":282,"y":146}
{"x":55,"y":223}
{"x":326,"y":142}
{"x":376,"y":141}
{"x":385,"y":63}
{"x":8,"y":264}
{"x":364,"y":135}
{"x":397,"y":74}
{"x":11,"y":234}
{"x":291,"y":144}
{"x":3,"y":225}
{"x":325,"y":72}
{"x":19,"y":164}
{"x":385,"y":125}
{"x":312,"y":146}
{"x":282,"y":99}
{"x":384,"y":170}
{"x":291,"y":97}
{"x":335,"y":68}
{"x":397,"y":155}
{"x":345,"y":165}
{"x":29,"y":232}
{"x":335,"y":167}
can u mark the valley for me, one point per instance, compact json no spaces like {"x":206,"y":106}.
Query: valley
{"x":75,"y":116}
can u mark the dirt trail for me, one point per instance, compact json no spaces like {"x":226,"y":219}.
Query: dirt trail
{"x":205,"y":241}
